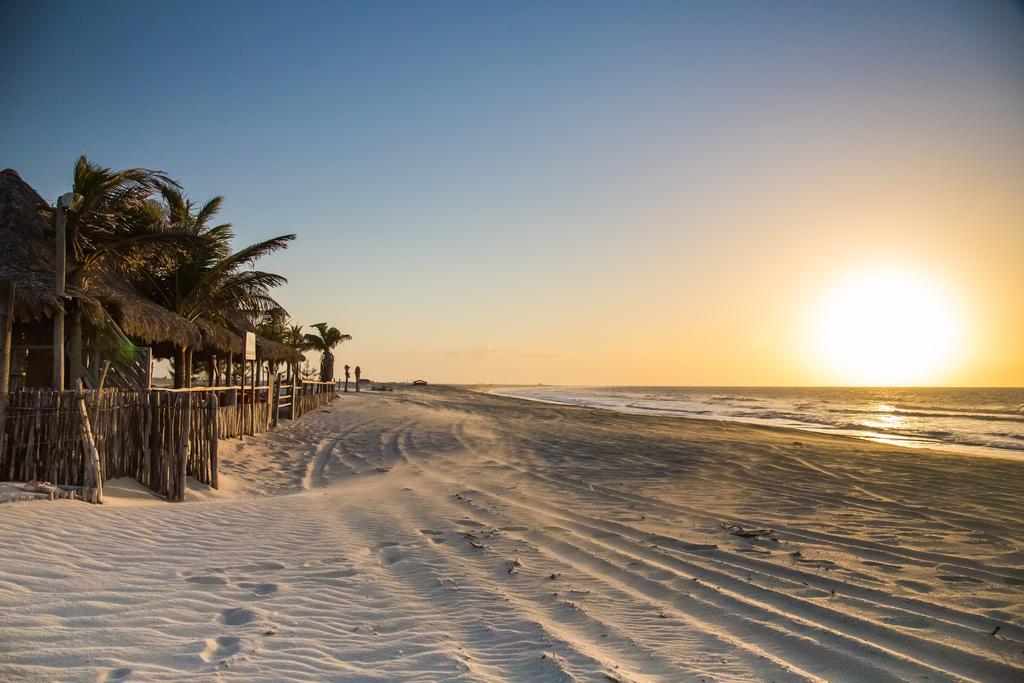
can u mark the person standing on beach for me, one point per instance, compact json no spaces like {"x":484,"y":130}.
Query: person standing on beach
{"x":358,"y":372}
{"x":346,"y":379}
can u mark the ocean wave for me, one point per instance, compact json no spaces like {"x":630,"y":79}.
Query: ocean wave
{"x":942,"y":414}
{"x":659,"y":409}
{"x":960,"y":409}
{"x":970,"y":420}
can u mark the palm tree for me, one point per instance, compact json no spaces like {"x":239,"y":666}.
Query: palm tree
{"x":211,"y":285}
{"x":115,"y":227}
{"x":324,"y":341}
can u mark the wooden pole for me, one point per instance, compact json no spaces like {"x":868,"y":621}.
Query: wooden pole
{"x":6,"y":320}
{"x":60,"y":266}
{"x":145,"y":398}
{"x":213,"y":413}
{"x":92,"y":487}
{"x":149,"y":368}
{"x":186,"y":424}
{"x":103,"y":377}
{"x":252,"y":400}
{"x":271,"y":402}
{"x":241,"y":399}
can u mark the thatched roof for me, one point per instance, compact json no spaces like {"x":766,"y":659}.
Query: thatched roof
{"x":221,"y":339}
{"x":272,"y":350}
{"x":24,"y":259}
{"x":27,"y":259}
{"x":139,"y":317}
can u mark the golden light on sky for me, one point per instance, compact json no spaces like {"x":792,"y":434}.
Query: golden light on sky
{"x":886,"y":326}
{"x":775,"y":194}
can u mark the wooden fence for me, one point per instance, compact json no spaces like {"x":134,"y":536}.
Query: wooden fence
{"x":157,"y":436}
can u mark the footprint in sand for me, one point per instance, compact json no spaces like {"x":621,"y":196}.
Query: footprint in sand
{"x":120,"y":674}
{"x":207,"y":580}
{"x":220,"y":647}
{"x":260,"y":588}
{"x":389,"y":553}
{"x":319,"y":562}
{"x":434,"y":535}
{"x":238,"y":616}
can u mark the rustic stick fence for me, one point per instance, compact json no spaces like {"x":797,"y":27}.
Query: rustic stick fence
{"x":157,"y":436}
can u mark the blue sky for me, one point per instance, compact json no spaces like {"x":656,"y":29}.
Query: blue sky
{"x":484,"y":192}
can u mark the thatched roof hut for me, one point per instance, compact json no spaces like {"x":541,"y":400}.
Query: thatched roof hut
{"x":220,"y":339}
{"x":28,"y":260}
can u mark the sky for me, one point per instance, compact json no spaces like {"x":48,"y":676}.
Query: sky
{"x":572,"y":193}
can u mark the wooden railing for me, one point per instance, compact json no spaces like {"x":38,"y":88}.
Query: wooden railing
{"x":157,"y":436}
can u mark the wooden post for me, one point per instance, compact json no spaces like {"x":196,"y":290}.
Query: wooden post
{"x":252,"y":400}
{"x":149,"y":368}
{"x":147,"y":439}
{"x":241,"y":406}
{"x":60,"y":269}
{"x":271,"y":401}
{"x":103,"y":378}
{"x":92,"y":486}
{"x":156,"y":443}
{"x":295,"y":396}
{"x":211,"y":371}
{"x":6,"y":319}
{"x":212,"y":413}
{"x":186,"y":431}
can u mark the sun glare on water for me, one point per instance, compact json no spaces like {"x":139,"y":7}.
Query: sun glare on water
{"x":885,"y":326}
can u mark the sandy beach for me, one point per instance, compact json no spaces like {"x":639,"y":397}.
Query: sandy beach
{"x":444,"y":534}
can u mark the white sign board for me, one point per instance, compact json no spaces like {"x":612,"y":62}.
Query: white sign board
{"x":250,"y":346}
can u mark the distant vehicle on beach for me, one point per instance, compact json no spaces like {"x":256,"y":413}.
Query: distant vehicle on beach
{"x":419,"y":382}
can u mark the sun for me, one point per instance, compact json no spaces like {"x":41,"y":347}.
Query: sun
{"x":885,"y":326}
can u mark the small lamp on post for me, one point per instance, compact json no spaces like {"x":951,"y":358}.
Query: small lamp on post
{"x":67,"y":202}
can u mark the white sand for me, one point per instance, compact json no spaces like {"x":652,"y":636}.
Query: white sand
{"x":439,"y":534}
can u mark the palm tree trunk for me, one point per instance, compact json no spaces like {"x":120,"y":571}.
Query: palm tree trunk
{"x":327,"y":367}
{"x":180,"y":361}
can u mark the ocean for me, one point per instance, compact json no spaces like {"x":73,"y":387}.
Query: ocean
{"x":977,"y":421}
